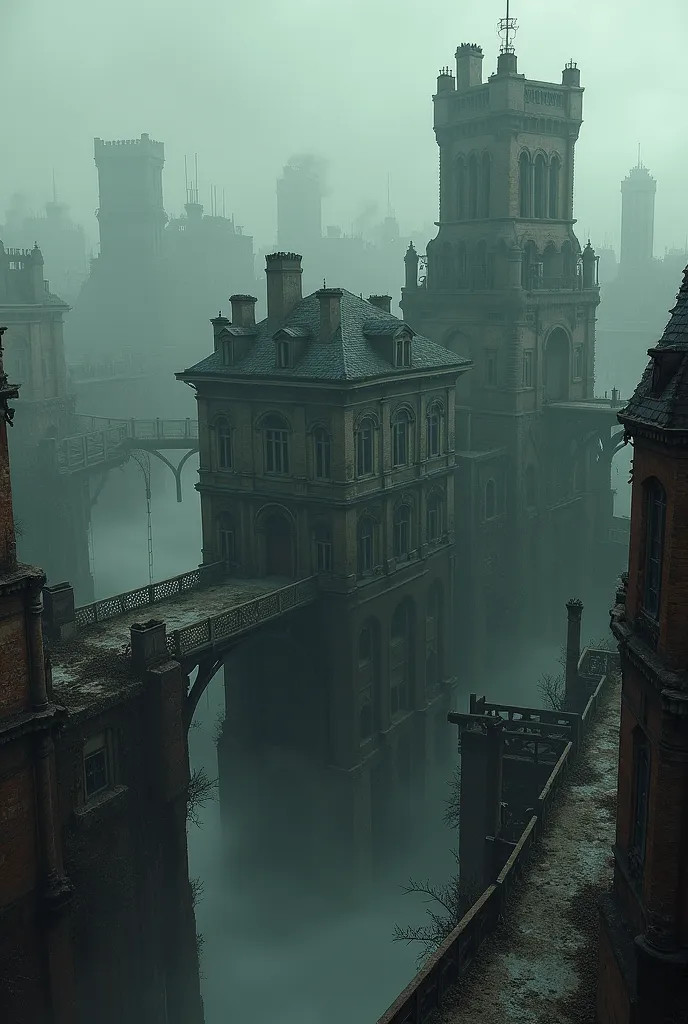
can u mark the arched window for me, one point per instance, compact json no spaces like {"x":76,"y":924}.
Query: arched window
{"x":551,"y":266}
{"x":433,"y":639}
{"x":276,"y":434}
{"x":531,"y":493}
{"x":539,"y":187}
{"x":525,"y":186}
{"x":480,"y":265}
{"x":655,"y":512}
{"x":490,"y":499}
{"x":485,"y":186}
{"x":226,"y":538}
{"x":473,"y":186}
{"x":367,"y":679}
{"x":322,"y":537}
{"x":364,"y":448}
{"x":402,"y":531}
{"x":401,"y":658}
{"x":460,"y":189}
{"x":462,"y":265}
{"x":434,"y":430}
{"x":434,"y":525}
{"x":401,"y":438}
{"x":554,"y":188}
{"x":557,"y":372}
{"x":366,"y":552}
{"x":224,"y":443}
{"x":321,"y":452}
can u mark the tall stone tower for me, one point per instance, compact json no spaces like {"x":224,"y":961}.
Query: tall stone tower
{"x":637,"y":216}
{"x":131,"y":216}
{"x":299,"y":208}
{"x":508,"y":286}
{"x":643,"y":949}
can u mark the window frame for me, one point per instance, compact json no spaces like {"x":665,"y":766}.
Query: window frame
{"x":434,"y":416}
{"x":655,"y":537}
{"x":100,"y":742}
{"x":283,"y":350}
{"x":402,"y":531}
{"x":401,"y":439}
{"x":276,"y":447}
{"x":225,"y":529}
{"x":365,"y":450}
{"x":322,"y":454}
{"x":365,"y":541}
{"x":223,"y":437}
{"x":322,"y":539}
{"x":577,"y":362}
{"x":434,"y":506}
{"x":528,"y":363}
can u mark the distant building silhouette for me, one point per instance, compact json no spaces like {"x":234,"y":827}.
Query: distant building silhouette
{"x":131,"y":215}
{"x":299,"y":208}
{"x":637,"y":217}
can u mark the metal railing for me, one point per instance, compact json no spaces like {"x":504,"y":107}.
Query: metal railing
{"x":111,"y":607}
{"x":419,"y":1000}
{"x":106,"y":439}
{"x":216,"y":630}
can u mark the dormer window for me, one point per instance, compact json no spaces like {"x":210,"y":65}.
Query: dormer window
{"x":228,"y":352}
{"x":402,"y":351}
{"x":284,"y":355}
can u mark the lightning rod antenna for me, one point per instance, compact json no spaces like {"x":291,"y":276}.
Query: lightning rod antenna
{"x":186,"y":181}
{"x":507,"y":28}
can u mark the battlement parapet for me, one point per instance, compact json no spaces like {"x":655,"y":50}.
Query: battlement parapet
{"x":144,"y":144}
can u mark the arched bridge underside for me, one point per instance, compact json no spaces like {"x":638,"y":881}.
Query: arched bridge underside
{"x":106,"y":443}
{"x":197,"y":618}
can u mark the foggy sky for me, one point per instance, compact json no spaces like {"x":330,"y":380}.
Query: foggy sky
{"x":246,"y":85}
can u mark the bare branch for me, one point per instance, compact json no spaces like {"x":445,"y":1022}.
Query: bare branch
{"x":201,"y":790}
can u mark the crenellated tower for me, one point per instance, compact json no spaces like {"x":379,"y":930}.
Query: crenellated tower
{"x":507,"y":284}
{"x":131,"y":216}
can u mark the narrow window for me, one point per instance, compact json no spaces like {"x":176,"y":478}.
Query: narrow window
{"x":276,"y":446}
{"x":490,"y":499}
{"x":539,"y":181}
{"x":321,"y":441}
{"x":227,"y":550}
{"x":491,"y":367}
{"x":434,"y":441}
{"x":96,"y":766}
{"x":401,"y":438}
{"x":227,"y":352}
{"x":224,"y":444}
{"x":656,"y":518}
{"x":554,"y":188}
{"x":525,"y":185}
{"x":323,"y":549}
{"x":402,"y":351}
{"x":364,"y":448}
{"x":641,"y":787}
{"x":528,"y":368}
{"x":577,"y":362}
{"x":460,"y":189}
{"x":366,"y":545}
{"x":402,"y":531}
{"x":434,"y":519}
{"x":283,"y":355}
{"x":473,"y":187}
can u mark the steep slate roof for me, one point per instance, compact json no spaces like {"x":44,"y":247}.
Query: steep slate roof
{"x":348,"y":356}
{"x":666,"y":409}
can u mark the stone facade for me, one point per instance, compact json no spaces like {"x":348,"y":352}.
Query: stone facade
{"x":506,"y":285}
{"x":54,"y":532}
{"x":327,"y":447}
{"x":644,"y":933}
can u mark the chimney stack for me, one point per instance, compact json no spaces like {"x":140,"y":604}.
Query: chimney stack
{"x":330,"y":311}
{"x":219,"y":323}
{"x":284,"y":272}
{"x":469,"y":66}
{"x":243,"y":310}
{"x":383,"y":302}
{"x":148,"y":644}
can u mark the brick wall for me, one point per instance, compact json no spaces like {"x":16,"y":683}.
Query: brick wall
{"x":14,"y":666}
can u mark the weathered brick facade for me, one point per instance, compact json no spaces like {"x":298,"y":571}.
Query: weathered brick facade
{"x":96,"y":913}
{"x":644,"y":944}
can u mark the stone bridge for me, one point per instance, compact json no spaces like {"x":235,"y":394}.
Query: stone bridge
{"x":104,"y":443}
{"x":195,"y":618}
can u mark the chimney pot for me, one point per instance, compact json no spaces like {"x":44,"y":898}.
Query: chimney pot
{"x":330,"y":311}
{"x":58,"y":611}
{"x":243,"y":310}
{"x":383,"y":302}
{"x":283,"y":270}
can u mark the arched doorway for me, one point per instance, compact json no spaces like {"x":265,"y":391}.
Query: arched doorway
{"x":557,"y":372}
{"x":279,"y":546}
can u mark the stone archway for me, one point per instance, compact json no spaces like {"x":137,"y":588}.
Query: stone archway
{"x":557,"y":368}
